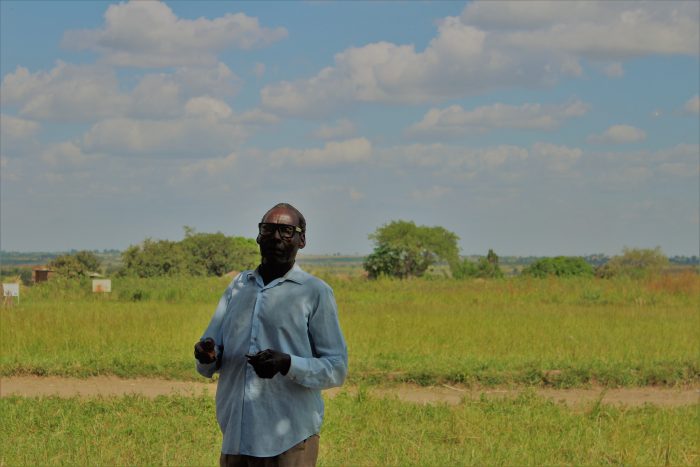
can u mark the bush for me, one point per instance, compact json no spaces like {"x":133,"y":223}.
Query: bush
{"x":560,"y":266}
{"x":486,"y":268}
{"x":635,"y":263}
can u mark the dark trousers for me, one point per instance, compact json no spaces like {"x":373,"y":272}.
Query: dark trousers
{"x":303,"y":454}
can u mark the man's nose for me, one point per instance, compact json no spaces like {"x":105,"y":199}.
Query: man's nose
{"x":277,"y":235}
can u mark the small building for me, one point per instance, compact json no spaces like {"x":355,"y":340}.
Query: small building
{"x":41,"y":274}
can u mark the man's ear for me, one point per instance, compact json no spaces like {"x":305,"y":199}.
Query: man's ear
{"x":302,"y":240}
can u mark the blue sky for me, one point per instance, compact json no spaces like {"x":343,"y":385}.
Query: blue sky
{"x":533,"y":128}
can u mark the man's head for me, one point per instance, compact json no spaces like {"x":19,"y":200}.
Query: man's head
{"x":281,"y":233}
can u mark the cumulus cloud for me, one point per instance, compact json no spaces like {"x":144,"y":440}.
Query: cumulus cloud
{"x":149,"y":34}
{"x":693,"y":105}
{"x":595,"y":30}
{"x":80,"y":93}
{"x":556,"y":158}
{"x":65,"y":154}
{"x":343,"y":128}
{"x":67,"y":92}
{"x":335,"y":152}
{"x":455,"y":120}
{"x":492,"y":45}
{"x":210,"y":167}
{"x":450,"y":159}
{"x":17,"y":136}
{"x":619,"y":134}
{"x":194,"y":136}
{"x":16,"y":129}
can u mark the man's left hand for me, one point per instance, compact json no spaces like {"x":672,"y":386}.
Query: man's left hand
{"x":267,"y":363}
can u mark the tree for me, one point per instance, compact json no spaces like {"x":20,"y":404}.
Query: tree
{"x":154,"y":258}
{"x":634,"y":262}
{"x":216,"y":254}
{"x":560,"y":266}
{"x":197,"y":254}
{"x":75,"y":265}
{"x":403,"y":249}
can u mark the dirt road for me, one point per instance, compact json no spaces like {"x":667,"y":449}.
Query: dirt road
{"x":33,"y":386}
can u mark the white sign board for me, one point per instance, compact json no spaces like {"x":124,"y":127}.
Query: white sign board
{"x":10,"y":290}
{"x":101,"y":285}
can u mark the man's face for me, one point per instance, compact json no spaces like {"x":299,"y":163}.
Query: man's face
{"x":274,"y":248}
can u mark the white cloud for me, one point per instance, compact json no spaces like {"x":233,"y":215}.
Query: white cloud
{"x":557,"y":158}
{"x":619,"y":134}
{"x":342,"y":128}
{"x":627,"y":175}
{"x":17,"y":136}
{"x":452,"y":159}
{"x":187,"y":137}
{"x":65,"y":154}
{"x":693,"y":105}
{"x":333,"y":153}
{"x":213,"y":166}
{"x":595,"y":30}
{"x":680,"y":169}
{"x":492,"y":45}
{"x":16,"y":129}
{"x":66,"y":93}
{"x":149,"y":34}
{"x":217,"y":80}
{"x":88,"y":93}
{"x":208,"y":108}
{"x":454,"y":120}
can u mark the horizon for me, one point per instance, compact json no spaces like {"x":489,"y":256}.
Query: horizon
{"x":511,"y":124}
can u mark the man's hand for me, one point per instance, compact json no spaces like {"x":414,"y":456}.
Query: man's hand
{"x":205,"y":351}
{"x":268,"y":363}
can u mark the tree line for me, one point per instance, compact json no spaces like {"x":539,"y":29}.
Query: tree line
{"x":402,"y":250}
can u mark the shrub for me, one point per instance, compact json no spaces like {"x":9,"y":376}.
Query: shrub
{"x":635,"y":263}
{"x":560,"y":266}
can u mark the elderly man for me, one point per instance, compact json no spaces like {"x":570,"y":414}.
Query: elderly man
{"x":276,"y":342}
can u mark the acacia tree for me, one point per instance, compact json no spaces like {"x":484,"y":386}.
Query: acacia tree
{"x":404,"y":249}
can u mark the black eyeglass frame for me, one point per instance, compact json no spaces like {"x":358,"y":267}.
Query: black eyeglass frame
{"x":277,"y":227}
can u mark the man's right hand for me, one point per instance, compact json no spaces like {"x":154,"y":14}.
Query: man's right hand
{"x":205,"y":351}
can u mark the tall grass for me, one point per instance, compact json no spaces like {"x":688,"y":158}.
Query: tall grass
{"x":358,"y":430}
{"x":517,"y":331}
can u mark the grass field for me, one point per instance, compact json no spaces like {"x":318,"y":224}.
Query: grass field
{"x":558,"y":332}
{"x":358,"y":430}
{"x":513,"y":332}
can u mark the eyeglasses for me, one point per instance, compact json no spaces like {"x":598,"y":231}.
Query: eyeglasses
{"x":286,"y":231}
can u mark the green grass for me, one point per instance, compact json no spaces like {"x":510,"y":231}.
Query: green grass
{"x":514,"y":331}
{"x":358,"y":430}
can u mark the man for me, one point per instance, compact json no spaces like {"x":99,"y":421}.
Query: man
{"x":276,"y":342}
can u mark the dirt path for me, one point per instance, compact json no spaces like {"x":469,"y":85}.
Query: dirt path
{"x":34,"y":386}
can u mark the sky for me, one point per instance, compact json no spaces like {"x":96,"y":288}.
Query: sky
{"x":528,"y":127}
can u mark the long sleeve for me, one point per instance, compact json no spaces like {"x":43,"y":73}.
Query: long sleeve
{"x":214,"y":331}
{"x":329,"y":365}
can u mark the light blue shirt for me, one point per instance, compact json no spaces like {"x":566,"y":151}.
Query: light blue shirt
{"x":295,"y":314}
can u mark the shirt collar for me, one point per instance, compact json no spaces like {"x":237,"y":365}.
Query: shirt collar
{"x":296,"y":274}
